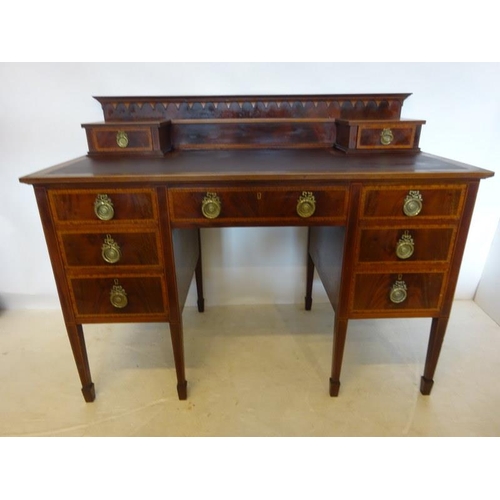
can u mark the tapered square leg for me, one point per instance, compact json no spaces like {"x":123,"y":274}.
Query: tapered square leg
{"x":426,"y":386}
{"x":438,"y":330}
{"x":309,"y":282}
{"x":178,"y":347}
{"x":199,"y":278}
{"x":182,"y":390}
{"x":77,"y":341}
{"x":89,"y":393}
{"x":334,"y":388}
{"x":339,"y":336}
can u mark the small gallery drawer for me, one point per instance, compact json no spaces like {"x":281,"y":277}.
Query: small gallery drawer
{"x":110,"y":249}
{"x":151,"y":138}
{"x":408,"y":202}
{"x":104,"y":205}
{"x":390,"y":291}
{"x":373,"y":135}
{"x":221,"y":205}
{"x":412,"y":245}
{"x":118,"y":296}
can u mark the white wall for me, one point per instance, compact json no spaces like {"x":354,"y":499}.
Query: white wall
{"x":487,"y":295}
{"x":43,"y":105}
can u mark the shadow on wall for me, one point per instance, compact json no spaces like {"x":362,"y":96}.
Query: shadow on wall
{"x":2,"y":305}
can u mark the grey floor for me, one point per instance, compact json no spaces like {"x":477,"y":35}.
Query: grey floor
{"x":252,"y":371}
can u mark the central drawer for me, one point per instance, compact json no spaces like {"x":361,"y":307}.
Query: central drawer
{"x":217,"y":206}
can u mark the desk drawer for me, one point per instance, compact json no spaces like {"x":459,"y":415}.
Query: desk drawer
{"x":412,"y":202}
{"x":397,"y":292}
{"x":110,"y":249}
{"x":357,"y":136}
{"x":104,"y":205}
{"x":147,"y":138}
{"x":387,"y":136}
{"x":266,"y":205}
{"x":123,"y":296}
{"x":411,"y":245}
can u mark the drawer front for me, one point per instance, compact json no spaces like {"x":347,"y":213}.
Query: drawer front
{"x":264,"y":205}
{"x":110,"y":249}
{"x":410,"y":245}
{"x":387,"y":136}
{"x":116,"y":139}
{"x":112,"y":205}
{"x":412,"y":202}
{"x":372,"y":292}
{"x":150,"y":139}
{"x":136,"y":295}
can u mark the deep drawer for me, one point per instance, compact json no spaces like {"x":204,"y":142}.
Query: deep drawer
{"x":110,"y":249}
{"x":138,"y":295}
{"x":412,"y":202}
{"x":373,"y":292}
{"x":410,"y":245}
{"x":264,"y":205}
{"x":111,"y":205}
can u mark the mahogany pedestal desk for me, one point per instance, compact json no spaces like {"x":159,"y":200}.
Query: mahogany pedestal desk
{"x":387,"y":223}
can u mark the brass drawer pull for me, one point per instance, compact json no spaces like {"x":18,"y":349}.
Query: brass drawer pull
{"x":398,"y":291}
{"x":118,"y":296}
{"x":110,"y":250}
{"x":412,"y":204}
{"x":306,"y":204}
{"x":405,"y":246}
{"x":122,"y":139}
{"x":386,"y":136}
{"x":103,"y":207}
{"x":211,"y":206}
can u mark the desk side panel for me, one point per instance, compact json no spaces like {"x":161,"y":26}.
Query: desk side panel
{"x":42,"y":198}
{"x":186,"y":254}
{"x":326,"y":248}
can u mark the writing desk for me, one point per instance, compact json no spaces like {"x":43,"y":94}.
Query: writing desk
{"x":387,"y":225}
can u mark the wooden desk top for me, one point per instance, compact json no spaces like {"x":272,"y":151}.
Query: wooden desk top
{"x":256,"y":165}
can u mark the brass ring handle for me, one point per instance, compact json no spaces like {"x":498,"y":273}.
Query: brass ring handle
{"x":398,"y":291}
{"x":386,"y":136}
{"x":103,"y":207}
{"x":122,"y":139}
{"x":306,"y":204}
{"x":211,"y":206}
{"x":413,"y":203}
{"x":118,"y":296}
{"x":110,"y":250}
{"x":405,"y":246}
